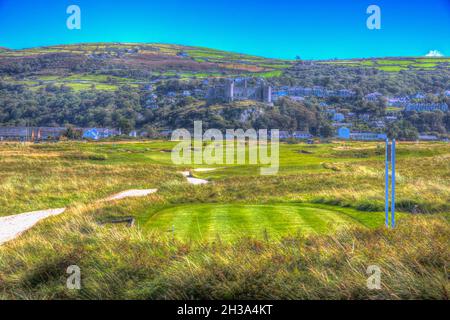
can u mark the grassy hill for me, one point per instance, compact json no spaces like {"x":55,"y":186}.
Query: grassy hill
{"x":395,"y":64}
{"x":109,"y":65}
{"x":153,"y":60}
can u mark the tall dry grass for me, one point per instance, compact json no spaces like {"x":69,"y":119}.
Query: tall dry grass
{"x":124,"y":263}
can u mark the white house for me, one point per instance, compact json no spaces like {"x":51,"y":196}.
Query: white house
{"x":302,"y":135}
{"x":339,"y":117}
{"x":367,"y":136}
{"x":426,"y":137}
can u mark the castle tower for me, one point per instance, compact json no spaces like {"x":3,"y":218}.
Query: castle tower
{"x":267,"y":94}
{"x":229,"y":91}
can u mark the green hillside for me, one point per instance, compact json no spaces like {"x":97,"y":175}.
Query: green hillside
{"x":395,"y":64}
{"x":163,"y":60}
{"x":109,"y":65}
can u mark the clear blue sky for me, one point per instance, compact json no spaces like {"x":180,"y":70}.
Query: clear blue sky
{"x":315,"y":29}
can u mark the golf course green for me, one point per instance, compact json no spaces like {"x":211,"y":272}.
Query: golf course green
{"x":233,"y":221}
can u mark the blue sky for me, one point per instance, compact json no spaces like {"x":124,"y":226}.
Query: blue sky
{"x":320,"y":29}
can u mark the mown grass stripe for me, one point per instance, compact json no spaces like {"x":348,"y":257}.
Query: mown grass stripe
{"x":232,"y":221}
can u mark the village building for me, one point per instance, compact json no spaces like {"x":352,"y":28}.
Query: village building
{"x":378,"y":124}
{"x":133,"y":134}
{"x":342,"y":124}
{"x":319,"y":92}
{"x":338,"y":117}
{"x":301,"y":135}
{"x":283,"y":134}
{"x":390,"y":118}
{"x":100,"y":133}
{"x":419,"y":96}
{"x":52,"y":133}
{"x":165,"y":133}
{"x":399,"y":102}
{"x":374,"y":96}
{"x":424,"y":107}
{"x":428,"y":137}
{"x":31,"y":133}
{"x":367,"y":136}
{"x":346,"y":134}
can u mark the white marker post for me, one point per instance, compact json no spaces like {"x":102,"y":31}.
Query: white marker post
{"x":386,"y":183}
{"x":390,"y":157}
{"x":393,"y":156}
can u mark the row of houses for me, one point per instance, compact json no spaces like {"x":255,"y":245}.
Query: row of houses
{"x":319,"y":92}
{"x":53,"y":133}
{"x":295,"y":135}
{"x":402,"y":101}
{"x":346,"y":134}
{"x":31,"y":133}
{"x":102,"y":133}
{"x":423,"y":107}
{"x":374,"y":96}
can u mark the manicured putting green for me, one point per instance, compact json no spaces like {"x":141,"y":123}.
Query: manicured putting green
{"x":231,"y":221}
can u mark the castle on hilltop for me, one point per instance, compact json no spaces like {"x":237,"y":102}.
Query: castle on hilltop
{"x":234,"y":90}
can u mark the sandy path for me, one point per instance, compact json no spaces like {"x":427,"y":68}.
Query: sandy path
{"x":196,"y":181}
{"x":204,"y":169}
{"x":131,"y":193}
{"x":12,"y":226}
{"x":192,"y":180}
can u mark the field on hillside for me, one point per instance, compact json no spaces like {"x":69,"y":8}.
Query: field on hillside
{"x":395,"y":64}
{"x":125,"y":62}
{"x":162,"y":61}
{"x":309,"y":232}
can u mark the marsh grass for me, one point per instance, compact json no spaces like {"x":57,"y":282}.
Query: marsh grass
{"x":34,"y":177}
{"x":124,"y":263}
{"x":37,"y":177}
{"x":144,"y":263}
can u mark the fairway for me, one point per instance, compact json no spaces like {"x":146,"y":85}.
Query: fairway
{"x":232,"y":221}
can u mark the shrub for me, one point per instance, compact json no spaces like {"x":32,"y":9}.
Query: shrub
{"x":85,"y":156}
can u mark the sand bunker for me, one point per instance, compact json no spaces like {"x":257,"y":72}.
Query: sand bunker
{"x":131,"y":193}
{"x":12,"y":226}
{"x":192,"y":180}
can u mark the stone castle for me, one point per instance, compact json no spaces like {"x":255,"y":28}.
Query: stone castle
{"x":235,"y":91}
